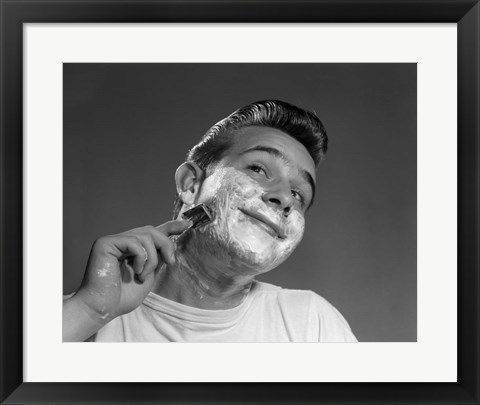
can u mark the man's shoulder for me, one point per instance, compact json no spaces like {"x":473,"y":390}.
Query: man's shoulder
{"x":297,"y":297}
{"x":308,"y":307}
{"x":261,"y":286}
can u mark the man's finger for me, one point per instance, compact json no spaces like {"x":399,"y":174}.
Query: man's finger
{"x":165,"y":246}
{"x":150,"y":256}
{"x":130,"y":246}
{"x":174,"y":227}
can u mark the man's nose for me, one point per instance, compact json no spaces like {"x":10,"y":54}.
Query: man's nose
{"x":279,"y":197}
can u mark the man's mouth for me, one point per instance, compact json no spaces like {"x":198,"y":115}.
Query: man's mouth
{"x":266,"y":223}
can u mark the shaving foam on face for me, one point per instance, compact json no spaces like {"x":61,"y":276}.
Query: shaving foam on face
{"x":242,"y":239}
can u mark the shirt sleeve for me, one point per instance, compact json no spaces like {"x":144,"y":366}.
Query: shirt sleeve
{"x":333,"y":327}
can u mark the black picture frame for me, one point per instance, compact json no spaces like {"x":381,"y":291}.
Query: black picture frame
{"x":465,"y":13}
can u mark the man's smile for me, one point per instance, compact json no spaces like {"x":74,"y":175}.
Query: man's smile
{"x":246,"y":225}
{"x":266,"y":223}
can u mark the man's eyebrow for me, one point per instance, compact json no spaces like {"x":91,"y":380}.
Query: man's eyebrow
{"x":268,"y":149}
{"x":280,"y":155}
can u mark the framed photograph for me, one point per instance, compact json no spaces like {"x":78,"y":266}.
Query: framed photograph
{"x":111,"y":118}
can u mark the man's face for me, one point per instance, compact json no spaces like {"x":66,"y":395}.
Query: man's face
{"x":259,"y":193}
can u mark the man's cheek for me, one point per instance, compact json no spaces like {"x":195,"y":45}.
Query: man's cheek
{"x":295,"y":227}
{"x":243,"y":190}
{"x":230,"y":188}
{"x":237,"y":195}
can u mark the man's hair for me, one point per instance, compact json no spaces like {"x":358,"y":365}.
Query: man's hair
{"x":300,"y":124}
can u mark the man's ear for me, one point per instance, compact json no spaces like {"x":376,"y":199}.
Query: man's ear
{"x":188,"y":178}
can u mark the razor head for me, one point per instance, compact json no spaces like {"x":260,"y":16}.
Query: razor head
{"x":199,"y":215}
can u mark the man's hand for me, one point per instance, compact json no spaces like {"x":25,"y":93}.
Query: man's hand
{"x":121,"y":272}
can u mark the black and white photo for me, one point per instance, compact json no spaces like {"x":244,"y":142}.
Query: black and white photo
{"x":258,"y":162}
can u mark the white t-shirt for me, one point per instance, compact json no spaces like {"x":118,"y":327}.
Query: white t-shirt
{"x":268,"y":314}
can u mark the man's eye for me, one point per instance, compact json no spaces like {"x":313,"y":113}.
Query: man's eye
{"x":257,"y":169}
{"x":298,"y":196}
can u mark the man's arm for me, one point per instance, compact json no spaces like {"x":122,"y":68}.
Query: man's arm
{"x":120,"y":273}
{"x":79,"y":322}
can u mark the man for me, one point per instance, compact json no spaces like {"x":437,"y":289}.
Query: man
{"x":255,"y":170}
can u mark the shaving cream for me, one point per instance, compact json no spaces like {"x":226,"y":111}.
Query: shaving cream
{"x":241,"y":234}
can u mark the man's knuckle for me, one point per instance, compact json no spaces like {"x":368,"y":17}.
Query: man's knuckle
{"x":149,"y":239}
{"x":101,"y":242}
{"x":134,"y":240}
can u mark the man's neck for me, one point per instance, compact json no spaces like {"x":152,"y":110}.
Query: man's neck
{"x":191,"y":282}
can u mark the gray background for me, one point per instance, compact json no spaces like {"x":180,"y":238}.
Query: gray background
{"x":128,"y":126}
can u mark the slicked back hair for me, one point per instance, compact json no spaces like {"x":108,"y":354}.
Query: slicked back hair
{"x":302,"y":125}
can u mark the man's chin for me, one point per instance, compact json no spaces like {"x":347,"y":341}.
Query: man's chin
{"x":258,"y":255}
{"x":257,"y":261}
